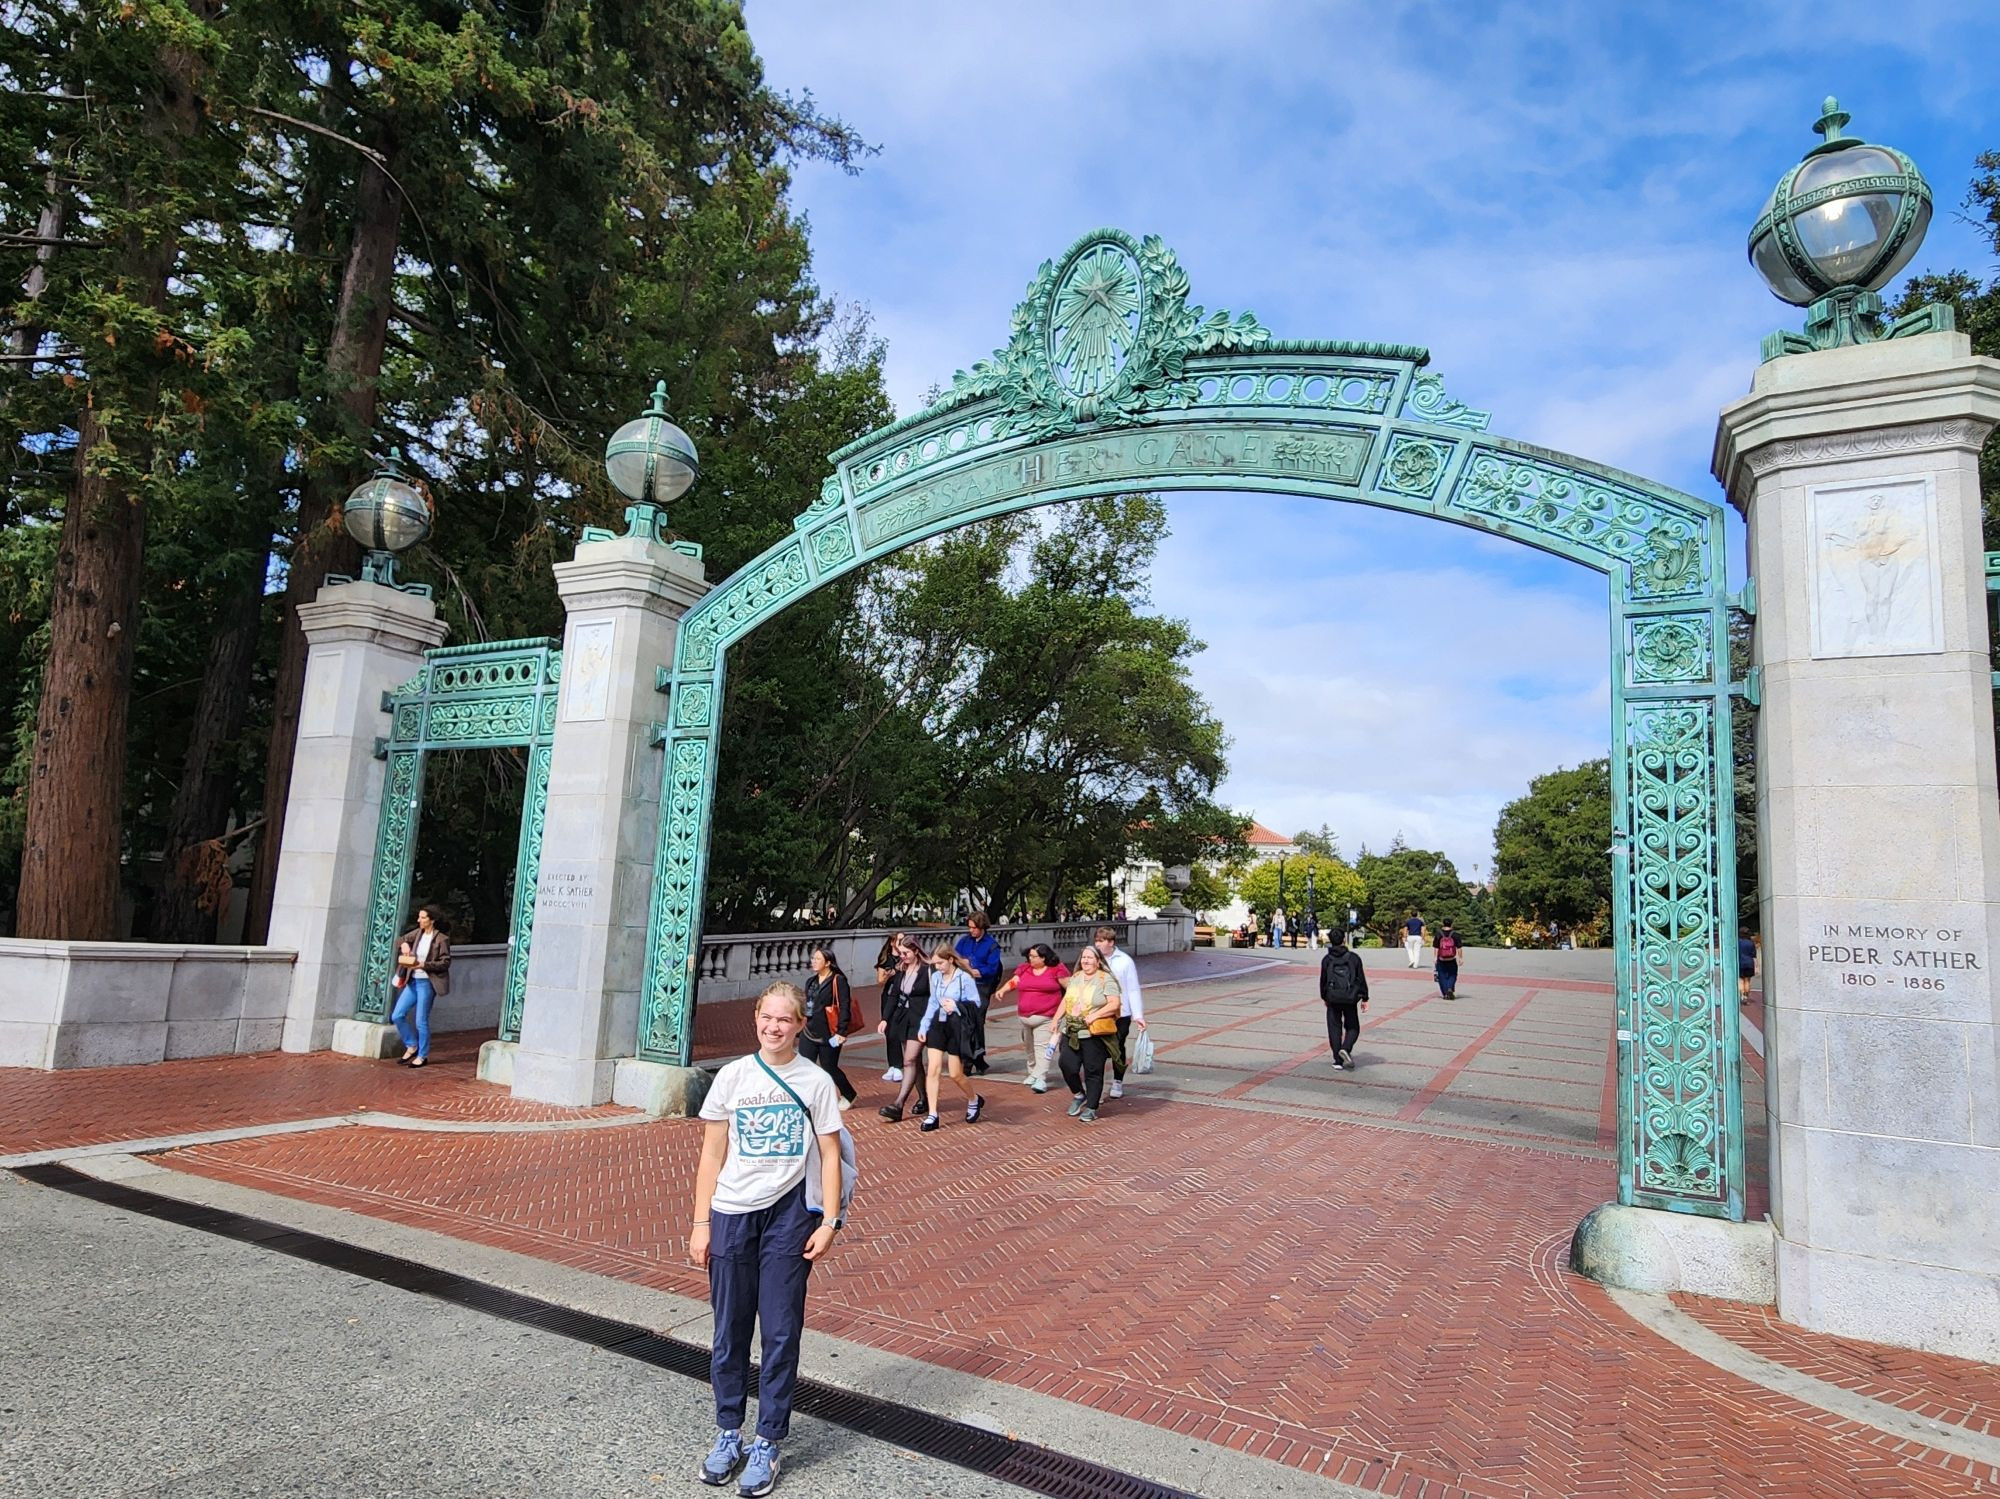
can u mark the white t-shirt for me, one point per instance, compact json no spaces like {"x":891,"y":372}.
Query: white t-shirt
{"x":1126,"y":972}
{"x":767,"y":1132}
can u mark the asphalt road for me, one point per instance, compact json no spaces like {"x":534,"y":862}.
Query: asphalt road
{"x":142,"y":1358}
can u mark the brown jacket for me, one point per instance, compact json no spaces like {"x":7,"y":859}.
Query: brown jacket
{"x":437,"y":967}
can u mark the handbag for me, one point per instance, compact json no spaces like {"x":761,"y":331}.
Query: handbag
{"x":1107,"y":1026}
{"x":850,"y":1168}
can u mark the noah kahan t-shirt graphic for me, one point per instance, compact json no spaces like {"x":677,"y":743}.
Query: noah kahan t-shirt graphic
{"x":766,"y":1131}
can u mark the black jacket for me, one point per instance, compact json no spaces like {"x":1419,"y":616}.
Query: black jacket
{"x":833,"y":989}
{"x":1342,"y":957}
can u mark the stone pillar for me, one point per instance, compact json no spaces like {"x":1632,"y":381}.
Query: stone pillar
{"x":362,"y":640}
{"x":625,"y":598}
{"x":1878,"y":834}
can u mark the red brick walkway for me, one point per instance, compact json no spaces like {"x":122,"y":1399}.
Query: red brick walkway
{"x":1379,"y":1304}
{"x":51,"y":1110}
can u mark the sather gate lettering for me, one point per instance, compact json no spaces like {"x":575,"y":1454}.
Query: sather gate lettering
{"x":1112,"y":381}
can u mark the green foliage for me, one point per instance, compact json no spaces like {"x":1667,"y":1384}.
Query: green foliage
{"x":984,"y":719}
{"x":1324,"y":842}
{"x":1422,"y":880}
{"x":1335,"y":886}
{"x":1550,"y":848}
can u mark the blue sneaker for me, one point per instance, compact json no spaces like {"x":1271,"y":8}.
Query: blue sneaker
{"x":721,"y":1463}
{"x":760,"y":1473}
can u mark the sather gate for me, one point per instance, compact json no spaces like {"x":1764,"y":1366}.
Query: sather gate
{"x":1111,"y":381}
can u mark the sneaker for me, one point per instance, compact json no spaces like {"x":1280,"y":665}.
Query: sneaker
{"x":972,"y":1109}
{"x":1088,"y":1116}
{"x":1039,"y":1086}
{"x":1076,"y":1106}
{"x":1117,"y":1088}
{"x":1339,"y":1066}
{"x":760,"y":1470}
{"x":893,"y":1075}
{"x":723,"y":1459}
{"x":1343,"y":1058}
{"x":846,"y":1104}
{"x":1028,"y":1080}
{"x":930,"y":1123}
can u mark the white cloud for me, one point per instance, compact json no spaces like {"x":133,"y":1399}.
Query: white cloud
{"x":1553,"y":195}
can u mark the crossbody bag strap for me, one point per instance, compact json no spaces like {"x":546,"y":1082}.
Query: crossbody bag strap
{"x":772,"y":1073}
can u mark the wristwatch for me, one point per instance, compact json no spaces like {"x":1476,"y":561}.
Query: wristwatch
{"x":838,"y":1222}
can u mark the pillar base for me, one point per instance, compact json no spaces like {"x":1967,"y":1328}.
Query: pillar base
{"x":496,"y":1062}
{"x":661,"y":1090}
{"x":574,"y":1082}
{"x":1935,"y":1308}
{"x":365,"y":1038}
{"x":1646,"y":1249}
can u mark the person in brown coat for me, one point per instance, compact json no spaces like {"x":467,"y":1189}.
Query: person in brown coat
{"x":423,"y":969}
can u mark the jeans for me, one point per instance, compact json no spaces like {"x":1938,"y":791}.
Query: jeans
{"x":757,"y":1274}
{"x":826,"y":1056}
{"x":1447,"y":976}
{"x":1343,"y":1025}
{"x":416,"y":996}
{"x":1083,"y":1068}
{"x":1035,"y":1038}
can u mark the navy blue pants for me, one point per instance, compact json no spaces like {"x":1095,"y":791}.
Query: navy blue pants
{"x":757,"y":1274}
{"x":1447,"y":975}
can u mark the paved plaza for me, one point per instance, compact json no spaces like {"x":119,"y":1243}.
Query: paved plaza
{"x":1254,"y":1275}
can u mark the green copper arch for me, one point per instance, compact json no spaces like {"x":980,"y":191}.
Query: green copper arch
{"x":496,"y":695}
{"x":1112,"y":382}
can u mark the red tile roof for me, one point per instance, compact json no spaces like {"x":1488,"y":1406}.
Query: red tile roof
{"x":1261,"y":834}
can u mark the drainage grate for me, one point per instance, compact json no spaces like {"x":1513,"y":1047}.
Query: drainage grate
{"x":1021,"y":1463}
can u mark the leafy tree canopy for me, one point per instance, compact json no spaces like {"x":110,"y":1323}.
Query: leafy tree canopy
{"x":1550,"y":848}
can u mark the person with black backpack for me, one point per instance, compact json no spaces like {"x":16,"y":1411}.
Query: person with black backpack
{"x":1343,"y":988}
{"x":1449,"y":949}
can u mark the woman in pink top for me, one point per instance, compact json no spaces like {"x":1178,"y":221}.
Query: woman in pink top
{"x":1040,"y":985}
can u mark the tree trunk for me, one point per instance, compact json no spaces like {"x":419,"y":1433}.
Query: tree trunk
{"x":48,"y":229}
{"x":354,"y":361}
{"x":71,"y":854}
{"x":202,"y":801}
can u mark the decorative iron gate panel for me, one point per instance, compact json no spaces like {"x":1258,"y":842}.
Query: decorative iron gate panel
{"x":501,"y":695}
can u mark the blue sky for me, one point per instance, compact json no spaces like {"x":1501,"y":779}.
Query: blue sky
{"x":1553,"y":197}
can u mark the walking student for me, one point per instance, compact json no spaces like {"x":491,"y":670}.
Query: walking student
{"x":982,"y":955}
{"x":755,"y":1235}
{"x":1746,"y":963}
{"x":424,"y":955}
{"x":904,"y":999}
{"x":1343,"y":989}
{"x":947,"y":1032}
{"x":1278,"y":927}
{"x":1449,"y":950}
{"x":1086,"y":1032}
{"x":1125,"y":973}
{"x":1039,"y":987}
{"x":1413,"y":939}
{"x":831,"y":1016}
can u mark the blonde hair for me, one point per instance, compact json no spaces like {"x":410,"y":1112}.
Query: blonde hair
{"x":790,"y":993}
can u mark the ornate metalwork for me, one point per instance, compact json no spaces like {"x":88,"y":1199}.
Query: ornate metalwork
{"x":1682,"y":1105}
{"x":1111,"y":382}
{"x":389,"y":891}
{"x":527,"y":876}
{"x":491,"y":696}
{"x":1670,"y":649}
{"x":1102,"y":338}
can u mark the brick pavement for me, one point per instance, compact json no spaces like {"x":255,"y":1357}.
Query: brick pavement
{"x":50,"y":1110}
{"x":1364,"y":1281}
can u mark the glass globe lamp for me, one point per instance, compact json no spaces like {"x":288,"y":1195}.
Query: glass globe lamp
{"x":650,"y":460}
{"x":1835,"y":230}
{"x":387,"y":514}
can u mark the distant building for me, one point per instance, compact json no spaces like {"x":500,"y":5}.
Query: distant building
{"x":1130,"y":880}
